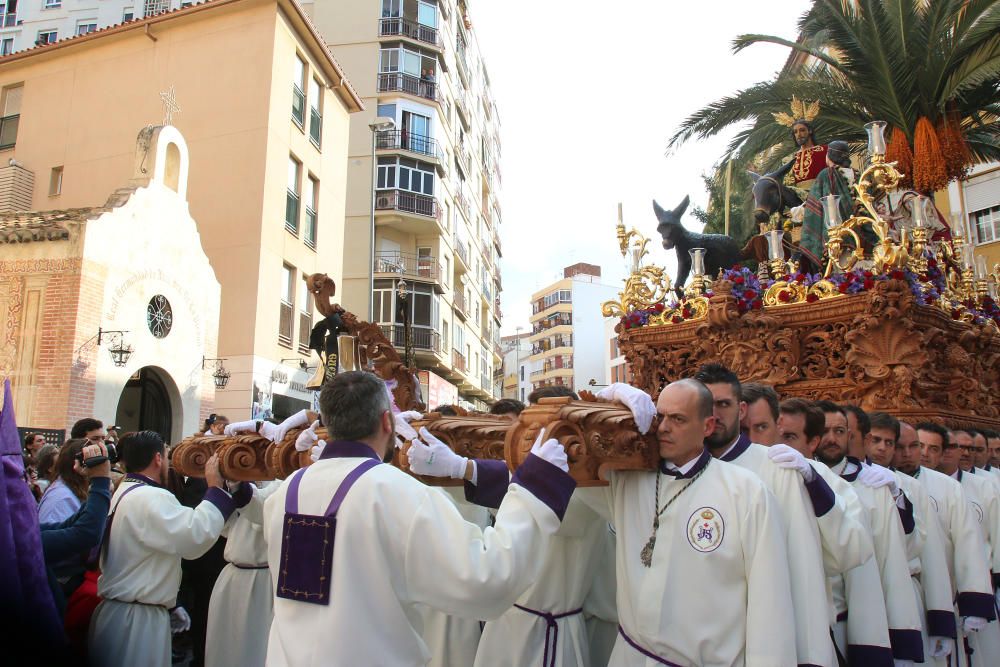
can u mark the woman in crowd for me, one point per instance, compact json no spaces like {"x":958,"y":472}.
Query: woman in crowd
{"x":45,"y":466}
{"x":68,"y":489}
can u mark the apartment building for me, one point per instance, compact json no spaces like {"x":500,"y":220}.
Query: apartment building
{"x":516,"y":368}
{"x":433,"y":220}
{"x":264,"y":109}
{"x":569,"y":346}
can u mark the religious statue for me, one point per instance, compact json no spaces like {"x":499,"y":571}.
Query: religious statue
{"x":836,"y":178}
{"x":324,"y":336}
{"x":810,"y":158}
{"x":721,"y":251}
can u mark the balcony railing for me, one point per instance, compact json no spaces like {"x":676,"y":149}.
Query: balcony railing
{"x":463,"y":160}
{"x":463,"y":252}
{"x":537,"y":374}
{"x":316,"y":126}
{"x":9,"y":21}
{"x":457,"y":361}
{"x":292,"y":212}
{"x":286,"y":323}
{"x":298,"y":104}
{"x":8,"y":131}
{"x":391,"y":82}
{"x":399,"y":263}
{"x":408,"y":202}
{"x":397,"y":26}
{"x":463,"y":63}
{"x":460,"y":305}
{"x":485,"y":382}
{"x":463,"y":204}
{"x":404,"y":140}
{"x":462,"y":105}
{"x":550,"y":322}
{"x":421,"y":338}
{"x":305,"y":330}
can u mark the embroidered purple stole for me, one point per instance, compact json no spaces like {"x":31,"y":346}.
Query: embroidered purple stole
{"x":306,"y":563}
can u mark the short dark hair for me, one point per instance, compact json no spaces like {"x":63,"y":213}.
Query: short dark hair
{"x":352,"y":404}
{"x":137,"y":449}
{"x":931,"y":427}
{"x":552,"y":391}
{"x":990,"y":433}
{"x":973,"y":432}
{"x":864,"y":422}
{"x":29,"y":439}
{"x":84,"y":426}
{"x":446,"y":410}
{"x":46,"y":463}
{"x":815,"y":419}
{"x":212,"y":419}
{"x":715,"y":373}
{"x":830,"y":406}
{"x":751,"y":392}
{"x":883,"y":420}
{"x":507,"y":406}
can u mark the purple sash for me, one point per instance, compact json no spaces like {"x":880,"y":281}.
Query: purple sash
{"x":95,"y":553}
{"x":307,"y":542}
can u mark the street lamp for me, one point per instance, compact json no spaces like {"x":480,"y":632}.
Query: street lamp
{"x":403,"y":313}
{"x":380,"y":124}
{"x":221,"y":375}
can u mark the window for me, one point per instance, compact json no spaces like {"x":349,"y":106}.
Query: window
{"x":305,"y":316}
{"x":8,"y":13}
{"x":427,"y":14}
{"x":7,"y":46}
{"x":986,"y":222}
{"x":293,"y":196}
{"x":298,"y":92}
{"x":315,"y":112}
{"x":416,"y":134}
{"x":405,"y":174}
{"x":286,"y":324}
{"x":55,"y":181}
{"x":10,"y":103}
{"x":312,"y":206}
{"x":444,"y":334}
{"x":425,"y":262}
{"x":423,"y":304}
{"x":51,"y":4}
{"x":128,"y":14}
{"x":46,"y":37}
{"x":387,"y":111}
{"x":391,"y":8}
{"x":446,"y":270}
{"x":83,"y":27}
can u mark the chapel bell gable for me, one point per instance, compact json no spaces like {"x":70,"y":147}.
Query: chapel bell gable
{"x":161,"y":156}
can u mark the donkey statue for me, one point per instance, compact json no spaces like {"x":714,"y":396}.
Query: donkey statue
{"x":721,"y":251}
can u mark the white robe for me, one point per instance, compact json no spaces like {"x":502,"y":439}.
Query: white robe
{"x":599,"y":608}
{"x":981,"y":494}
{"x":802,"y":542}
{"x":239,"y":613}
{"x":141,"y":572}
{"x":453,"y":640}
{"x":858,"y":616}
{"x":929,"y":567}
{"x":400,"y":544}
{"x":717,"y":592}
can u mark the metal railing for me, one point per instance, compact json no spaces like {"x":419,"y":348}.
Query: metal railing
{"x":408,"y":202}
{"x":463,"y":252}
{"x":463,"y":204}
{"x":421,"y":338}
{"x":463,"y":161}
{"x":462,"y":105}
{"x":316,"y":126}
{"x":286,"y":323}
{"x":460,"y":305}
{"x":463,"y":62}
{"x":458,"y":360}
{"x":292,"y":212}
{"x":406,"y":264}
{"x":485,"y":382}
{"x":305,"y":330}
{"x":391,"y":82}
{"x":9,"y":21}
{"x":550,"y":322}
{"x":397,"y":26}
{"x":404,"y":140}
{"x":151,"y":7}
{"x":8,"y":130}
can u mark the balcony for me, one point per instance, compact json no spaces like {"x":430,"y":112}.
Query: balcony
{"x":486,"y":383}
{"x":458,"y":361}
{"x":463,"y":254}
{"x":497,"y":314}
{"x":461,"y":308}
{"x":462,"y":105}
{"x":462,"y":157}
{"x":487,"y":294}
{"x":421,"y":339}
{"x":406,"y":202}
{"x":463,"y":62}
{"x":397,"y":26}
{"x":404,"y":140}
{"x":398,"y":82}
{"x":463,"y":205}
{"x":390,"y":264}
{"x":551,"y":322}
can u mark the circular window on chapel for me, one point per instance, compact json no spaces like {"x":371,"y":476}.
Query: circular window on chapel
{"x":159,"y":316}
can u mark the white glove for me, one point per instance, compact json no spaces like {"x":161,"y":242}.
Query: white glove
{"x":876,"y":476}
{"x":317,"y":450}
{"x":551,"y":450}
{"x":179,"y":620}
{"x":784,"y":456}
{"x":942,"y":647}
{"x":268,"y":430}
{"x":435,"y":458}
{"x":797,"y":213}
{"x":403,"y":420}
{"x":234,"y":428}
{"x":902,"y":663}
{"x":307,"y":438}
{"x":642,"y":406}
{"x":973,"y":624}
{"x":298,"y":420}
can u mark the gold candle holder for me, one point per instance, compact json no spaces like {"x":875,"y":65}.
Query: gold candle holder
{"x":697,"y":287}
{"x":776,"y":253}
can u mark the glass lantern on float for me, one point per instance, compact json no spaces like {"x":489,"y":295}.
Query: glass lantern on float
{"x":697,"y":287}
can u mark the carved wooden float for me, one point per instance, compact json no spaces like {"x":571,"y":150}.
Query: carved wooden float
{"x":878,"y":349}
{"x":598,"y":437}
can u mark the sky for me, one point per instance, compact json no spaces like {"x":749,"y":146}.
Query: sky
{"x":588,"y":95}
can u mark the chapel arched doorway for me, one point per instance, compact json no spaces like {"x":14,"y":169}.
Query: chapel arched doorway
{"x":146,"y":403}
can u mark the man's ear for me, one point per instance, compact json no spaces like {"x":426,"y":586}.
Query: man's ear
{"x":387,"y":421}
{"x":709,"y":426}
{"x":744,"y":408}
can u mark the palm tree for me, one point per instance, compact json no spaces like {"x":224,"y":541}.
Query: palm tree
{"x":930,"y":68}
